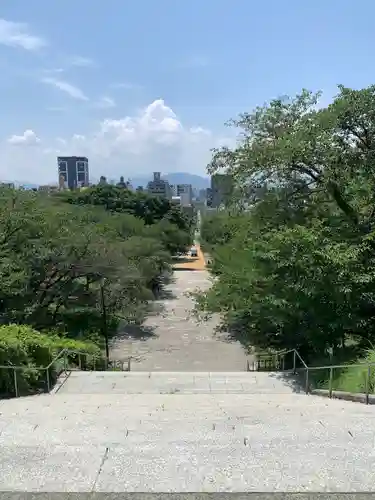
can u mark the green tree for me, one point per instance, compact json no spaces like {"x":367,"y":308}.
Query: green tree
{"x":296,"y":266}
{"x":56,"y":258}
{"x":150,"y":209}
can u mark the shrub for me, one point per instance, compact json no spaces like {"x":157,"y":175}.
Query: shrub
{"x":22,"y":346}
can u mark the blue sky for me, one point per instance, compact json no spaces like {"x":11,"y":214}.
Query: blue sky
{"x":147,"y":85}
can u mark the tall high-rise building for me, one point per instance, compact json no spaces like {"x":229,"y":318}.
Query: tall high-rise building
{"x":73,"y":171}
{"x":159,"y":187}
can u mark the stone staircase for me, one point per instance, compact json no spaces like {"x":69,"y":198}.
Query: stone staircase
{"x":184,"y":432}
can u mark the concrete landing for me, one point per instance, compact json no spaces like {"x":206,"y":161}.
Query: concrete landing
{"x":174,"y":383}
{"x":84,"y":440}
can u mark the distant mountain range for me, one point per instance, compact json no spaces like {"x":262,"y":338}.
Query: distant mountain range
{"x":198,"y":182}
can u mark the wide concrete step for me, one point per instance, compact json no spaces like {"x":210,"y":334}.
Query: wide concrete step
{"x":94,"y":435}
{"x":116,"y":420}
{"x":185,"y":468}
{"x":174,"y":383}
{"x":215,"y":442}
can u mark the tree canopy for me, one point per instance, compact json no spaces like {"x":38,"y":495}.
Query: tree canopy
{"x":295,"y":255}
{"x":60,"y":253}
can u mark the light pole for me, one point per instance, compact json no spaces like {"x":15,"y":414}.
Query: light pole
{"x":104,"y":322}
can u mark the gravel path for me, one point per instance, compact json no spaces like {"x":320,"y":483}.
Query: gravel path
{"x":174,"y":340}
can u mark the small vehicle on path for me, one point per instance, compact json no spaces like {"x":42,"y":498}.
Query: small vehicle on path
{"x":193,"y":252}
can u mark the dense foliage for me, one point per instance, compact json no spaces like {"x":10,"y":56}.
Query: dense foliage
{"x":294,"y":253}
{"x":62,"y":256}
{"x":170,"y":226}
{"x":22,"y":346}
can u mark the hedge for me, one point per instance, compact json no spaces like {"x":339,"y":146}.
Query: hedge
{"x":21,"y":345}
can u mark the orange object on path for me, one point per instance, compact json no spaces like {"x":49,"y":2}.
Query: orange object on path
{"x":193,"y":263}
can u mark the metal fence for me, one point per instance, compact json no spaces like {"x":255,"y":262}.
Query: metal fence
{"x":291,"y":362}
{"x":16,"y":381}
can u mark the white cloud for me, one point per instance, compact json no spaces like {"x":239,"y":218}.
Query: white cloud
{"x":154,"y":139}
{"x":17,"y":35}
{"x":199,"y":130}
{"x":105,"y":103}
{"x":82,"y":62}
{"x":28,"y":138}
{"x":68,"y":88}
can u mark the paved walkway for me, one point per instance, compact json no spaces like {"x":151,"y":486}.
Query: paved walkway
{"x":174,"y":340}
{"x":95,"y":435}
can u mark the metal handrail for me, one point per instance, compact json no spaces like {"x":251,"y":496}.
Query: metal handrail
{"x":63,"y":353}
{"x":308,"y":369}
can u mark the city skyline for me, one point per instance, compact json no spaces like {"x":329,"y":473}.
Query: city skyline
{"x":195,"y":180}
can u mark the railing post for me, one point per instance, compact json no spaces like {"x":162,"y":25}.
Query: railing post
{"x":283,"y":363}
{"x":307,"y":381}
{"x":15,"y":383}
{"x":368,"y":375}
{"x":330,"y":381}
{"x":247,"y":365}
{"x":48,"y":380}
{"x":129,"y":362}
{"x":294,"y":361}
{"x":65,"y":363}
{"x":79,"y":361}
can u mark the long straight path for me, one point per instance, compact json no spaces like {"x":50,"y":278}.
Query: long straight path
{"x":174,"y":340}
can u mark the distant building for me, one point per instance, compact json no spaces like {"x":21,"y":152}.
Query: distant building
{"x":202,"y":195}
{"x":48,"y":189}
{"x":221,"y":190}
{"x":185,"y":192}
{"x":9,"y":185}
{"x":188,"y":210}
{"x":73,"y":171}
{"x":122,"y":183}
{"x":140,"y":189}
{"x":176,"y":200}
{"x":159,"y":187}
